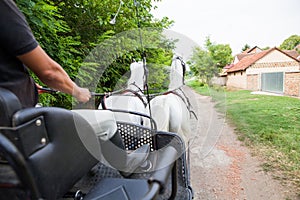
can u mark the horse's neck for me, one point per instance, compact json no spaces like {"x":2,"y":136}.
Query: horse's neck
{"x":136,"y":80}
{"x":176,"y":75}
{"x":135,"y":86}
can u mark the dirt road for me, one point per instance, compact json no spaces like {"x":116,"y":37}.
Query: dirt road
{"x":221,"y":167}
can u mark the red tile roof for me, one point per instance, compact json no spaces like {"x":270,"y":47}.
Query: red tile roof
{"x":292,"y":53}
{"x":242,"y":55}
{"x":228,"y":66}
{"x":247,"y":61}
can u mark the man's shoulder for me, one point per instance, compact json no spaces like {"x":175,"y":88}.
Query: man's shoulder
{"x":16,"y":36}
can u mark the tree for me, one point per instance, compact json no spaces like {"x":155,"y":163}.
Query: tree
{"x":202,"y":64}
{"x":159,"y":61}
{"x":246,"y":46}
{"x":90,"y":19}
{"x":219,"y":53}
{"x":265,"y":48}
{"x":208,"y":62}
{"x":119,"y":43}
{"x":53,"y":34}
{"x":110,"y":60}
{"x":290,"y":43}
{"x":68,"y":30}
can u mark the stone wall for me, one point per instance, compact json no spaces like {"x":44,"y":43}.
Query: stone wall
{"x":253,"y":82}
{"x":292,"y":84}
{"x":221,"y":81}
{"x":237,"y":80}
{"x":258,"y":68}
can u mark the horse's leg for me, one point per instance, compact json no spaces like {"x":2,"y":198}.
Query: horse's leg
{"x":175,"y":114}
{"x":139,"y":107}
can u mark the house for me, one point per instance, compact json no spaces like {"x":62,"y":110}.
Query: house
{"x":225,"y":69}
{"x":247,"y":52}
{"x":293,"y":53}
{"x":297,"y":48}
{"x":255,"y":49}
{"x":271,"y":70}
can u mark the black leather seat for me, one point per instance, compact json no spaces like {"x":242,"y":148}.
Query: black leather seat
{"x":9,"y":105}
{"x":59,"y":146}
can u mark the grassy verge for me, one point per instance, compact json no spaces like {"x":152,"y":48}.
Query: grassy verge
{"x":269,"y":123}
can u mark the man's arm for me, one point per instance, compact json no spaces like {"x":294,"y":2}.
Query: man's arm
{"x":52,"y":74}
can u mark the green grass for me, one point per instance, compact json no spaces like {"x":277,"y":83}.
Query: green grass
{"x":217,"y":93}
{"x":270,"y":120}
{"x":271,"y":123}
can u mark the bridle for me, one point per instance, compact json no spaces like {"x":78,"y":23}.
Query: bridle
{"x":135,"y":93}
{"x":183,"y":64}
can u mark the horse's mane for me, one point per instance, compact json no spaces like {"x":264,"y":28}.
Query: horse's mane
{"x":177,"y":73}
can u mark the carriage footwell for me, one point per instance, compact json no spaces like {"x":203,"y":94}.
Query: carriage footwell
{"x":158,"y":140}
{"x":102,"y":171}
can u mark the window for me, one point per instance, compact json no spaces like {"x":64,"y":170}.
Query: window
{"x":272,"y":82}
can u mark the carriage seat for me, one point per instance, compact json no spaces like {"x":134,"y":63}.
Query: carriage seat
{"x":51,"y":149}
{"x":58,"y":147}
{"x":9,"y":105}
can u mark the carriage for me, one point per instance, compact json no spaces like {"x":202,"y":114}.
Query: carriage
{"x":53,"y":153}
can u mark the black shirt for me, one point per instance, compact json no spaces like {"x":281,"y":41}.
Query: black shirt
{"x":16,"y":38}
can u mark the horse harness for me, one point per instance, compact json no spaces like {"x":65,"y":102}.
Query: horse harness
{"x":122,"y":92}
{"x":184,"y":98}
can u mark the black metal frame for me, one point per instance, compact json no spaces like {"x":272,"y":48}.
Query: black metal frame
{"x":18,"y":163}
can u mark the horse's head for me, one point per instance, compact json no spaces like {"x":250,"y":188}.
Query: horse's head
{"x":177,"y":72}
{"x":138,"y":76}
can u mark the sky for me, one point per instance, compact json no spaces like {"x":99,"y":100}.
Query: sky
{"x":262,"y":23}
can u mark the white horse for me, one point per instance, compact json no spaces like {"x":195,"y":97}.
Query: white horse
{"x":170,"y":111}
{"x":132,"y":98}
{"x":104,"y":123}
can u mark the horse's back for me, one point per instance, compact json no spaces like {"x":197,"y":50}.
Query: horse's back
{"x":171,"y":114}
{"x":160,"y":112}
{"x":126,"y":103}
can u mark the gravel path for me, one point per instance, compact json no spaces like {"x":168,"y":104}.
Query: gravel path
{"x":221,"y":167}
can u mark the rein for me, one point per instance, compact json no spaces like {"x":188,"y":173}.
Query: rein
{"x":136,"y":94}
{"x":134,"y":84}
{"x":182,"y":96}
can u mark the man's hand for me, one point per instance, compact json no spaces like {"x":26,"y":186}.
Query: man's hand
{"x":82,"y":94}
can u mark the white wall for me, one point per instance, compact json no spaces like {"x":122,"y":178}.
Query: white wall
{"x":275,"y":61}
{"x":275,"y":56}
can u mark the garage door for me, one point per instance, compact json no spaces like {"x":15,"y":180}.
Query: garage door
{"x":272,"y":82}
